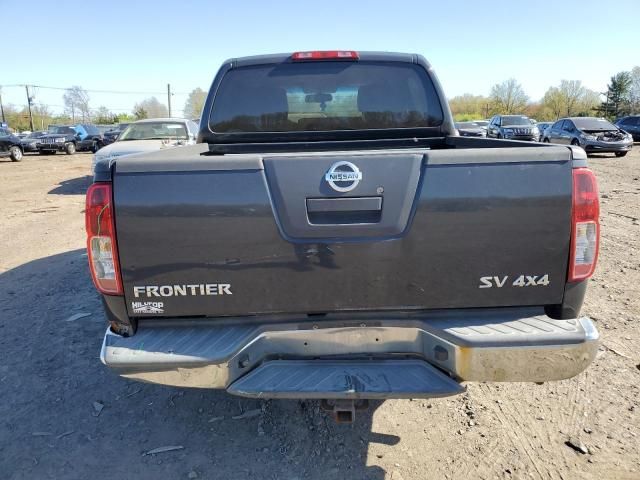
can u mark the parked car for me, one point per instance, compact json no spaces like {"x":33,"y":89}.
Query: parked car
{"x":105,"y":128}
{"x":482,"y":124}
{"x":112,"y":134}
{"x":341,"y":252}
{"x":59,"y":138}
{"x":10,"y":145}
{"x":470,"y":129}
{"x":30,"y":142}
{"x":149,"y":135}
{"x":542,"y":126}
{"x":512,"y":127}
{"x":595,"y":135}
{"x":630,"y":124}
{"x":90,"y":138}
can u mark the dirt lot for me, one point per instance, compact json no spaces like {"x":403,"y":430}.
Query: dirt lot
{"x":63,"y":415}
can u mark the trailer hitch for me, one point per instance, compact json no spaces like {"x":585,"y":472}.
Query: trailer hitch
{"x":344,"y":411}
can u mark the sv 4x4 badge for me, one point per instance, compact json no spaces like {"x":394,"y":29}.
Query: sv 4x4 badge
{"x":521,"y":281}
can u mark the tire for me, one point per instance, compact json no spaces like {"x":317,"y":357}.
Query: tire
{"x":97,"y":145}
{"x":620,"y":154}
{"x":546,"y":140}
{"x":15,"y":153}
{"x":499,"y":136}
{"x":70,"y":148}
{"x":575,"y":142}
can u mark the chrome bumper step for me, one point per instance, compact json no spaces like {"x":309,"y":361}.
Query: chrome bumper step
{"x":499,"y":345}
{"x":345,"y":379}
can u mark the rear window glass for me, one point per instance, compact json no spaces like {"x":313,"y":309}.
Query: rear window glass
{"x":325,"y":96}
{"x":62,"y":130}
{"x":515,"y":120}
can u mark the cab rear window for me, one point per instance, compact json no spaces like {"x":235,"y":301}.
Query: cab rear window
{"x":325,"y":96}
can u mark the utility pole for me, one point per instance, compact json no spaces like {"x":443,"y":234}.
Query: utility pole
{"x":29,"y":103}
{"x":169,"y":97}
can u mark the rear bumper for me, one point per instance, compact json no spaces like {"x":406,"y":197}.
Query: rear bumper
{"x":506,"y":345}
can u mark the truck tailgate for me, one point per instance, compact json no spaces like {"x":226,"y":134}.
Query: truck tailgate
{"x":206,"y":235}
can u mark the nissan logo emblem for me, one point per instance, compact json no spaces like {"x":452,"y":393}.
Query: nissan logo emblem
{"x":343,"y":176}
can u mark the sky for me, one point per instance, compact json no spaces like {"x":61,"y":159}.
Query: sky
{"x":141,"y":46}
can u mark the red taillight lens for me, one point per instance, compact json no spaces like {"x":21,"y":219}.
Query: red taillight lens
{"x":101,"y":240}
{"x":326,"y":55}
{"x":585,"y":229}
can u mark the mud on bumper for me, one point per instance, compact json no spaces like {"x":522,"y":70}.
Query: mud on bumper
{"x":409,"y":356}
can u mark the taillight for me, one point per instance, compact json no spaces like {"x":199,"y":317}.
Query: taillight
{"x":101,"y":240}
{"x":585,"y":228}
{"x":326,"y":55}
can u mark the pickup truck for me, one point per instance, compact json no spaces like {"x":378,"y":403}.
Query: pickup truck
{"x":332,"y":238}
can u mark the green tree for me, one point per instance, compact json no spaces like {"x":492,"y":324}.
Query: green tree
{"x":195,"y":102}
{"x":618,"y":101}
{"x":508,"y":97}
{"x":139,"y":112}
{"x":469,"y":107}
{"x":124,"y":118}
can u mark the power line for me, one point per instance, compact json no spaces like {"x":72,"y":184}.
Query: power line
{"x":124,"y":92}
{"x":42,"y":104}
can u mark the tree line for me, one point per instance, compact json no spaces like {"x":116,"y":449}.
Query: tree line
{"x":568,"y":99}
{"x":78,"y":109}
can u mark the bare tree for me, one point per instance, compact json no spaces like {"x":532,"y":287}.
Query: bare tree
{"x":634,"y":90}
{"x":570,"y":99}
{"x":150,"y":108}
{"x":41,"y":115}
{"x":554,"y":101}
{"x":76,"y":101}
{"x":572,"y":93}
{"x":508,"y":97}
{"x":195,"y":102}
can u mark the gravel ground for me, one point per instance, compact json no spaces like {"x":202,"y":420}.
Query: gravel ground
{"x":63,"y":415}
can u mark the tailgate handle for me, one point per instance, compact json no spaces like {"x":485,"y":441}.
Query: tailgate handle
{"x":349,"y":204}
{"x":344,"y":211}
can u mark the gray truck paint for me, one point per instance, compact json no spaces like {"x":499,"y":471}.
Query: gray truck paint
{"x":467,"y":215}
{"x":267,"y":277}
